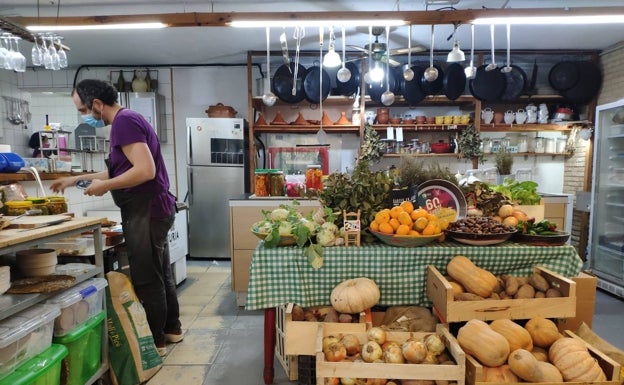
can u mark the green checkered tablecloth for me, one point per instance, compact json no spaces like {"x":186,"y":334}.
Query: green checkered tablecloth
{"x":282,"y":275}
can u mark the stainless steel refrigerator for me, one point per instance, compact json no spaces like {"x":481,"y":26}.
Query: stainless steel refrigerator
{"x":216,"y":164}
{"x":606,"y":235}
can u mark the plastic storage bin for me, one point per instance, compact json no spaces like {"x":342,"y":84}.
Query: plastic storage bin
{"x":25,"y":334}
{"x":84,"y":345}
{"x":78,"y":304}
{"x":44,"y":369}
{"x":68,"y":246}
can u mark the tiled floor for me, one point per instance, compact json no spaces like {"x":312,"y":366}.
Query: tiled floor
{"x":224,"y":343}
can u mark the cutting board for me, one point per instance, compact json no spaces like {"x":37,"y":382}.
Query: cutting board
{"x":36,"y":221}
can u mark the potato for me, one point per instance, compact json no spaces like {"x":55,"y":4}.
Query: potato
{"x":331,"y":316}
{"x":553,"y":293}
{"x":345,"y":318}
{"x":511,"y":285}
{"x":494,"y":296}
{"x":309,"y":316}
{"x":540,"y":294}
{"x":538,"y":282}
{"x":467,"y":297}
{"x":525,"y":291}
{"x":297,"y":313}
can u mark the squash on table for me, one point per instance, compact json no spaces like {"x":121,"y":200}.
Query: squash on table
{"x":472,"y":278}
{"x":355,"y":295}
{"x":543,"y":331}
{"x":517,"y":336}
{"x":524,"y":364}
{"x":501,"y":373}
{"x":478,"y":339}
{"x":573,"y":360}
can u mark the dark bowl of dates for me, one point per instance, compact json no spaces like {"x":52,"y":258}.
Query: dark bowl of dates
{"x":479,"y":231}
{"x":554,"y":238}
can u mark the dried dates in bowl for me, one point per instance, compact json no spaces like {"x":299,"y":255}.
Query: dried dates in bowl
{"x":479,"y":231}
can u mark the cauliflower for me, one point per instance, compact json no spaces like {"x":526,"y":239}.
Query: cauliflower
{"x":309,"y":224}
{"x":325,"y":237}
{"x":264,"y":226}
{"x":285,"y":228}
{"x":279,"y":214}
{"x":330,"y":227}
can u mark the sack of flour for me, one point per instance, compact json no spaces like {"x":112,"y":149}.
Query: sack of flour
{"x":132,"y":354}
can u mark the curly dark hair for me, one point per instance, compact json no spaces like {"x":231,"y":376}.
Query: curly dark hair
{"x":89,"y":89}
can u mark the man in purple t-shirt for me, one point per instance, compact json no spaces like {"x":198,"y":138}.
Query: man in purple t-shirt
{"x":137,"y":179}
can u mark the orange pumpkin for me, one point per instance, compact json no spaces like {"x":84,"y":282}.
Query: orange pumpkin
{"x":574,"y":362}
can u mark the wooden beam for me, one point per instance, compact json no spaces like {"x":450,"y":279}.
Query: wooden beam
{"x":203,"y":19}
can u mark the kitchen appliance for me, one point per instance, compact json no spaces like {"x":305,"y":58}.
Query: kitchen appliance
{"x":216,"y":164}
{"x":606,"y":232}
{"x":149,"y":104}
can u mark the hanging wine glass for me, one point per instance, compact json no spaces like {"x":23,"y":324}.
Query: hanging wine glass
{"x":8,"y":62}
{"x":46,"y":58}
{"x":4,"y":53}
{"x":19,"y":61}
{"x":54,"y":54}
{"x":35,"y":53}
{"x":61,"y":52}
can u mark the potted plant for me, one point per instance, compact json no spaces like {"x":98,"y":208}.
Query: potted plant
{"x":504,"y":161}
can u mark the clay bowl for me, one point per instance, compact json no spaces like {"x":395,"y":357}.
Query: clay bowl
{"x":395,"y":120}
{"x":408,"y":121}
{"x":36,"y":262}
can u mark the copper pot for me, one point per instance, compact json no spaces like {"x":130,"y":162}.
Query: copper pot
{"x":221,"y":111}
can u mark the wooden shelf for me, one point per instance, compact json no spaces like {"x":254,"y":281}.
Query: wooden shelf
{"x":431,"y":155}
{"x":305,"y":129}
{"x":422,"y":127}
{"x":338,"y":100}
{"x":523,"y":127}
{"x":430,"y":100}
{"x":26,"y":176}
{"x":553,"y":154}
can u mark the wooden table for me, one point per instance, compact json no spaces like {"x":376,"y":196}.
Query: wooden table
{"x":282,"y":275}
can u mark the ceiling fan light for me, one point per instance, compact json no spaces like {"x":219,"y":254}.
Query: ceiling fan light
{"x":376,"y":74}
{"x":456,"y":54}
{"x":331,"y":59}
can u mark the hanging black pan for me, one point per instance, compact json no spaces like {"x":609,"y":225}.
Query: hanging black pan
{"x":564,"y":75}
{"x":375,"y":89}
{"x":283,"y":83}
{"x":454,"y":81}
{"x":434,"y":87}
{"x":411,"y":90}
{"x":588,"y":85}
{"x":312,"y":85}
{"x":515,"y":83}
{"x":487,"y":86}
{"x":350,"y":87}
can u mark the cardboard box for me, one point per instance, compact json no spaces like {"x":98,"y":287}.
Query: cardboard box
{"x":440,"y":292}
{"x":585,"y":302}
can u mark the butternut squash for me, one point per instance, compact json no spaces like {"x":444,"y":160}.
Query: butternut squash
{"x":543,"y":331}
{"x":526,"y":366}
{"x":574,"y":362}
{"x":501,"y":374}
{"x":474,"y":279}
{"x":478,"y":339}
{"x":517,"y":336}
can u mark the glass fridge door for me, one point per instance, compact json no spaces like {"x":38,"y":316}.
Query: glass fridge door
{"x":606,"y":242}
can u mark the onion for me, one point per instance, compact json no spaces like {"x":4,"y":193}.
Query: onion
{"x":414,"y":351}
{"x":371,"y":351}
{"x":328,"y":341}
{"x":376,"y":334}
{"x":389,"y":344}
{"x":335,"y":352}
{"x":434,"y":344}
{"x":351,"y":343}
{"x":348,"y":381}
{"x":393,"y":355}
{"x":430,"y":359}
{"x":376,"y":381}
{"x":332,"y":381}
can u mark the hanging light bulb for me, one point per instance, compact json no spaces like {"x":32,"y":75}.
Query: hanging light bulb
{"x":331,"y":58}
{"x":376,"y":74}
{"x":456,"y":54}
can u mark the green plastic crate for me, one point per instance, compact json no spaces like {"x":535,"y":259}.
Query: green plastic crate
{"x":43,"y":369}
{"x":84,"y":344}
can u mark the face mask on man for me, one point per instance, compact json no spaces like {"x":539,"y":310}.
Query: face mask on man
{"x":93,"y":122}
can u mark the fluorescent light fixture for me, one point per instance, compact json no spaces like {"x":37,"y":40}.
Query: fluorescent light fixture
{"x":572,"y":19}
{"x":315,"y":23}
{"x":52,"y":28}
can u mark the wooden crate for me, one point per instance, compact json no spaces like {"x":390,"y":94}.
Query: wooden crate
{"x":440,"y":292}
{"x":474,"y":370}
{"x":289,"y":362}
{"x":300,"y":336}
{"x":325,"y":369}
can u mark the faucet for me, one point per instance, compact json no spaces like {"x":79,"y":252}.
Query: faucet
{"x":35,"y":173}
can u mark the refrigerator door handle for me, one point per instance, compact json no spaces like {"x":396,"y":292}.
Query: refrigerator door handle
{"x":190,"y":186}
{"x":189,"y":146}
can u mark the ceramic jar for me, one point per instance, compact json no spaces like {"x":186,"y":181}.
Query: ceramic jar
{"x":509,"y":117}
{"x":542,"y":114}
{"x":521,"y":116}
{"x":383,"y":115}
{"x":499,"y":117}
{"x":487,"y":115}
{"x":531,"y":112}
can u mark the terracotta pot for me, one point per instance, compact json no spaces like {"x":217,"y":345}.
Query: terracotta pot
{"x":499,"y":117}
{"x":221,"y":111}
{"x":383,"y":115}
{"x":430,"y":119}
{"x":421,"y":119}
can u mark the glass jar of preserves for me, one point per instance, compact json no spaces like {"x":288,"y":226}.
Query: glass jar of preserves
{"x":276,"y":183}
{"x":14,"y":208}
{"x":39,"y":204}
{"x":261,"y":182}
{"x":57,"y":205}
{"x":313,"y":177}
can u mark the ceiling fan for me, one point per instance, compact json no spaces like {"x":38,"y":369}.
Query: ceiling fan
{"x":379,"y":51}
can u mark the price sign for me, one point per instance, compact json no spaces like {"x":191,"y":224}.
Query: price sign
{"x":443,"y":199}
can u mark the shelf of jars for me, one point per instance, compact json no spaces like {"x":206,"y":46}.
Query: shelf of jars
{"x":305,"y":129}
{"x":421,"y":127}
{"x":421,"y":155}
{"x":337,"y":100}
{"x":429,"y":100}
{"x":529,"y":127}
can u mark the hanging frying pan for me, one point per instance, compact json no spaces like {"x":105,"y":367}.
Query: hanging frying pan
{"x":350,"y":87}
{"x":515,"y":83}
{"x":487,"y":86}
{"x":283,"y":83}
{"x":312,"y":85}
{"x":376,"y":89}
{"x":454,"y":81}
{"x":564,"y":75}
{"x":434,"y":87}
{"x":588,"y":85}
{"x":411,"y":90}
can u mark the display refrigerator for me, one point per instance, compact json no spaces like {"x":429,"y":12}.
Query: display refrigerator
{"x":606,"y":235}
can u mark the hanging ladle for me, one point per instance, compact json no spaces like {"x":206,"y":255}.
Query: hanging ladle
{"x":268,"y":98}
{"x":431,"y":73}
{"x":471,"y":70}
{"x":492,"y":65}
{"x":507,"y":68}
{"x":408,"y":73}
{"x":387,"y":98}
{"x":343,"y":74}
